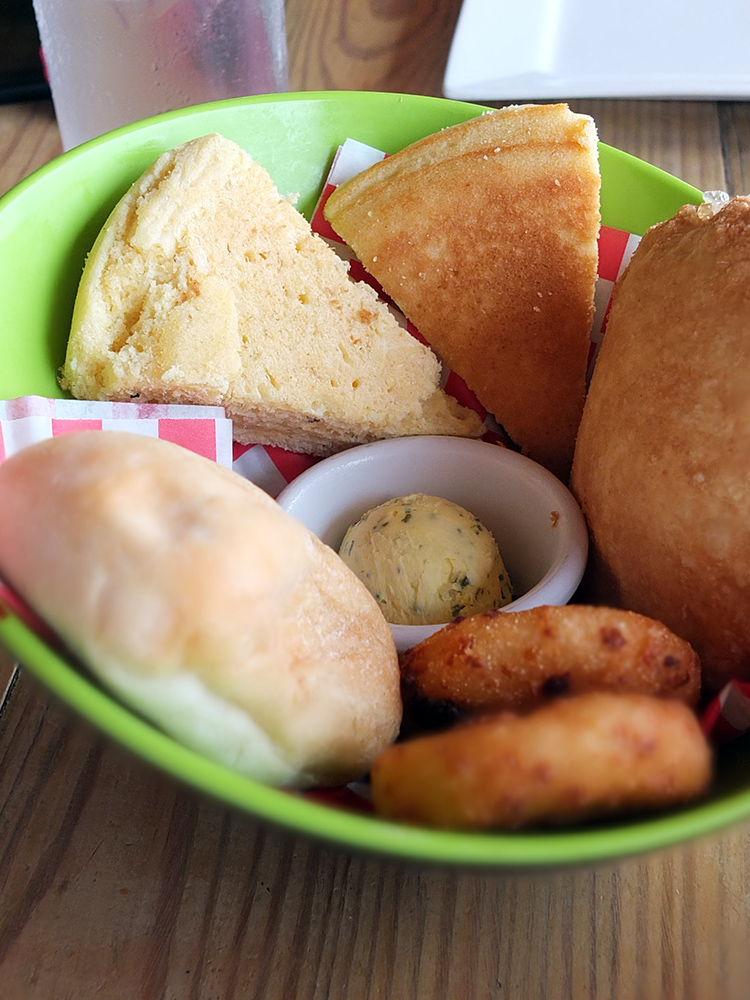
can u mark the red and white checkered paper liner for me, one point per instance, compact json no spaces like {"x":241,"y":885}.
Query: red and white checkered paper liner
{"x":207,"y":431}
{"x":28,"y":419}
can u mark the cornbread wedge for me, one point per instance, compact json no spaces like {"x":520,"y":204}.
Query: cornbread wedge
{"x":206,"y":286}
{"x":485,"y":235}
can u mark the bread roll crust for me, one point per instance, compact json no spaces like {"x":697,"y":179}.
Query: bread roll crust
{"x":663,"y":451}
{"x":190,"y":592}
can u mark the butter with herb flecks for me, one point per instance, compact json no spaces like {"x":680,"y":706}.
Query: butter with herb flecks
{"x":426,"y":560}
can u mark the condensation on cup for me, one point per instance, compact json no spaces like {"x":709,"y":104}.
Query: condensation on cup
{"x":112,"y":62}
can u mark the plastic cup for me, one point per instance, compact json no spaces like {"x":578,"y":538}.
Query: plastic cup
{"x":112,"y":62}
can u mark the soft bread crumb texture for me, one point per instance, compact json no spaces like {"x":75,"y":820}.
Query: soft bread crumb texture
{"x":662,"y":458}
{"x":190,"y":593}
{"x":206,"y":286}
{"x":485,"y":235}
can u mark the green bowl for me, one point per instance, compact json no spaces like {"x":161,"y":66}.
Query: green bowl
{"x":47,"y":225}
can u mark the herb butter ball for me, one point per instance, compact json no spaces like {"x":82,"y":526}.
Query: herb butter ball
{"x":426,"y":560}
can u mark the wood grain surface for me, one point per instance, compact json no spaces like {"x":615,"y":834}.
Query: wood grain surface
{"x":117,"y":883}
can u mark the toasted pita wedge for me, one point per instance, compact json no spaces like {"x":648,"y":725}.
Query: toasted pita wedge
{"x":485,"y":235}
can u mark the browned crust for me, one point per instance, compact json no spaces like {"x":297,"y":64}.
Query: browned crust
{"x":485,"y":236}
{"x":661,"y":463}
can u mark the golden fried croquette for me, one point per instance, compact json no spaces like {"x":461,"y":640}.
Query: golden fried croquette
{"x":573,"y":759}
{"x":516,"y":659}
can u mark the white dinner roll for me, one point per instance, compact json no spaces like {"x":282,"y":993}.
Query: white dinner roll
{"x":191,"y":594}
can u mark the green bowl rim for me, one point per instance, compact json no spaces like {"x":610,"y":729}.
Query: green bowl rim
{"x":287,"y":809}
{"x":363,"y":832}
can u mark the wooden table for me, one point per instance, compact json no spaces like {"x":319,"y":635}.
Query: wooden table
{"x":115,"y":883}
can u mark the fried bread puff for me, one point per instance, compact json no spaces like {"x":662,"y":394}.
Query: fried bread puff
{"x":663,"y":451}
